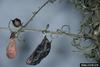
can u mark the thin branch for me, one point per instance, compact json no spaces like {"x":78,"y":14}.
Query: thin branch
{"x":51,"y":32}
{"x":41,"y":30}
{"x":4,"y":28}
{"x":34,"y":14}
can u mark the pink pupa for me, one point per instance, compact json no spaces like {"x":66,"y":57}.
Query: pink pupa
{"x":11,"y":48}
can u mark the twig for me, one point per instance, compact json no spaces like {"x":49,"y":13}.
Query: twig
{"x":41,"y":30}
{"x":51,"y":32}
{"x":3,"y":28}
{"x":34,"y":14}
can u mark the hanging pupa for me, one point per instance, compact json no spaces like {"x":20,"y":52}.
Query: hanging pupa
{"x":11,"y":48}
{"x":40,"y":52}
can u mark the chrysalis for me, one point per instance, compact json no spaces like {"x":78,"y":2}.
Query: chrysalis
{"x":40,"y":52}
{"x":11,"y":48}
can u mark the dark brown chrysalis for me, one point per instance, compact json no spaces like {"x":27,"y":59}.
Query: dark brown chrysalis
{"x":17,"y":22}
{"x":11,"y":48}
{"x":40,"y":52}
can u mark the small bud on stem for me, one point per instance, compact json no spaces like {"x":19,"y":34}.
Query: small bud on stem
{"x":17,"y":22}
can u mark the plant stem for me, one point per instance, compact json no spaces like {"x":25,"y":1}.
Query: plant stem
{"x":52,"y":32}
{"x":34,"y":14}
{"x":41,"y":30}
